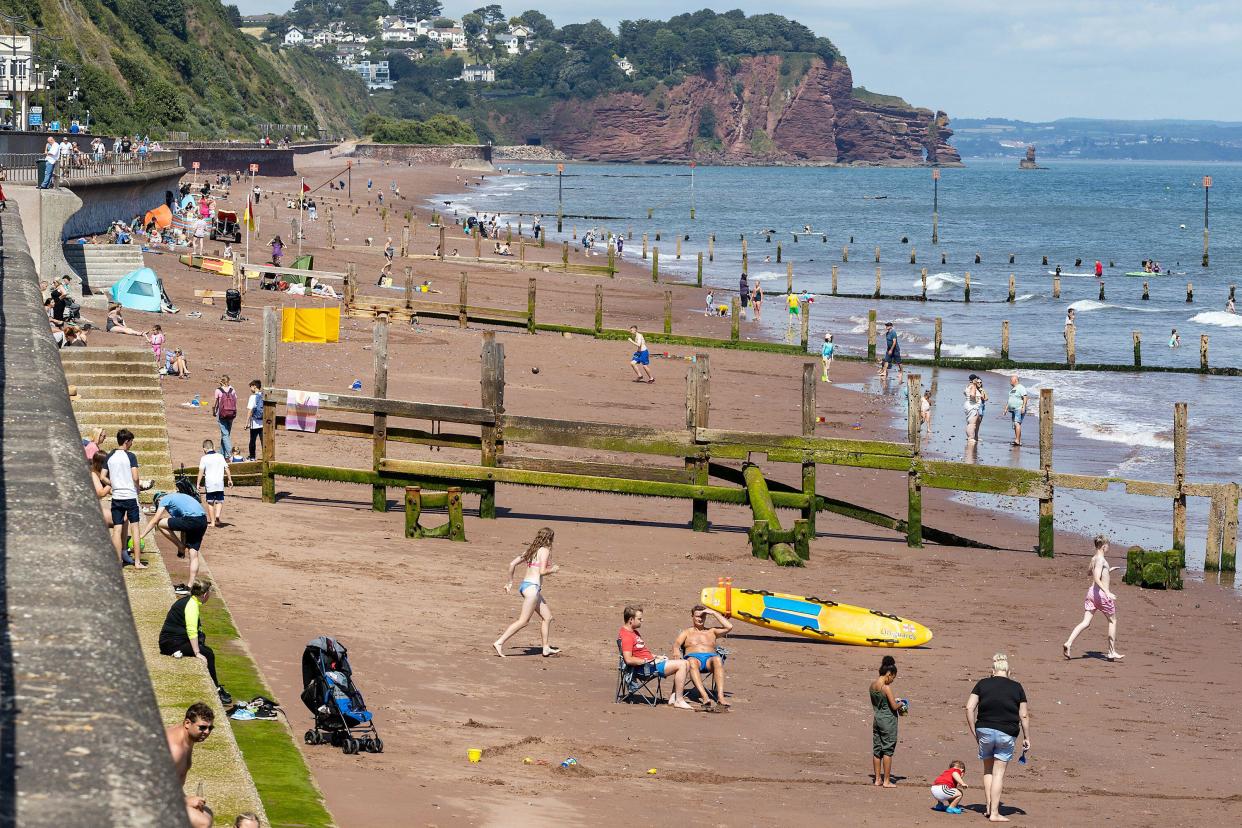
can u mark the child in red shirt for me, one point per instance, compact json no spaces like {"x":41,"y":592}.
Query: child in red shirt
{"x":947,"y":788}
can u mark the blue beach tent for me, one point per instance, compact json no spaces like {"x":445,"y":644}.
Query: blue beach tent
{"x":138,"y":290}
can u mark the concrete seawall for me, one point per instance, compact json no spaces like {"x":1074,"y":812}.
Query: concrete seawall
{"x":107,"y":198}
{"x":81,"y":740}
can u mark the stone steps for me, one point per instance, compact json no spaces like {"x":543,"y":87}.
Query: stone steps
{"x":93,"y":354}
{"x":103,"y":368}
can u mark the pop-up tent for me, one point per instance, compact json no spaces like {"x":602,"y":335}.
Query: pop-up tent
{"x":138,"y":290}
{"x":161,"y":215}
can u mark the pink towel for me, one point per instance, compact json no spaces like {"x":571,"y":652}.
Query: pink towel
{"x":302,"y":410}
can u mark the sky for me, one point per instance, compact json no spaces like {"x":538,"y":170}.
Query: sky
{"x":1033,"y":60}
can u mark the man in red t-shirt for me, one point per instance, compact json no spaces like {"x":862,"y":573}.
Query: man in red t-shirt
{"x":634,"y":651}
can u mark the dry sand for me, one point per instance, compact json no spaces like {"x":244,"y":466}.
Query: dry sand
{"x":1144,"y":742}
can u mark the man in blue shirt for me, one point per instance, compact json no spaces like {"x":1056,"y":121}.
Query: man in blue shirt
{"x":175,"y":513}
{"x":892,"y":352}
{"x":1016,"y":406}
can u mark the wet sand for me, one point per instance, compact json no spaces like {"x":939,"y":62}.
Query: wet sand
{"x":1144,"y":741}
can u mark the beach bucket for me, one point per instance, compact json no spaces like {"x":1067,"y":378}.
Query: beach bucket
{"x":474,"y":755}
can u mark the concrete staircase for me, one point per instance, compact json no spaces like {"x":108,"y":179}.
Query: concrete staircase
{"x":103,"y":265}
{"x":120,"y":388}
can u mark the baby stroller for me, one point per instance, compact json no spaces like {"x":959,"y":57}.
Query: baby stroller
{"x":341,"y":715}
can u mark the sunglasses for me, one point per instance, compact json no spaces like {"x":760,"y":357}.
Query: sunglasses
{"x":205,"y":728}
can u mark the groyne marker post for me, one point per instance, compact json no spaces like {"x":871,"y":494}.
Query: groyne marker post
{"x":1047,"y":533}
{"x":1138,"y":349}
{"x":644,"y":247}
{"x":1229,"y":546}
{"x":379,"y":425}
{"x":914,"y":488}
{"x":745,"y":258}
{"x":877,"y":293}
{"x":1179,"y":476}
{"x":936,"y":206}
{"x":923,"y":278}
{"x":871,"y":335}
{"x":1056,"y":287}
{"x":440,"y":249}
{"x":560,"y":197}
{"x":530,"y":306}
{"x":698,"y":273}
{"x":1207,"y":188}
{"x":1004,"y":349}
{"x":711,"y":249}
{"x":698,"y":404}
{"x":1203,"y":352}
{"x":788,"y":277}
{"x":834,"y":280}
{"x":462,"y":311}
{"x":655,"y":264}
{"x":271,"y":341}
{"x":937,"y":339}
{"x":1070,"y":357}
{"x":599,"y":309}
{"x":966,"y":295}
{"x":806,"y":324}
{"x":668,"y":312}
{"x":735,"y":314}
{"x":492,"y":396}
{"x":409,"y":286}
{"x":809,"y":381}
{"x":1146,"y":292}
{"x":1190,"y":292}
{"x":1013,"y":286}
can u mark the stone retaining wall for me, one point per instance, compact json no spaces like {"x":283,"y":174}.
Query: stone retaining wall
{"x":444,"y":154}
{"x":81,"y":740}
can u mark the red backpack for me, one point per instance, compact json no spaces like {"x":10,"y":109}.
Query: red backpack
{"x":228,"y":405}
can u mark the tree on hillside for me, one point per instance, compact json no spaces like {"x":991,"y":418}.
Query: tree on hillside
{"x":537,"y":22}
{"x":588,"y":36}
{"x":492,"y":15}
{"x":667,"y":50}
{"x":472,"y":25}
{"x":418,"y":9}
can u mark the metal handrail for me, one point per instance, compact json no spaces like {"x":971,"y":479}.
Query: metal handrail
{"x":23,"y":168}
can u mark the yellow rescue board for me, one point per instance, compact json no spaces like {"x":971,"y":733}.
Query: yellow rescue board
{"x":817,"y":618}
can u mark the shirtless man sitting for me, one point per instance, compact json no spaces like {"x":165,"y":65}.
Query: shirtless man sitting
{"x":699,"y":644}
{"x":182,"y":738}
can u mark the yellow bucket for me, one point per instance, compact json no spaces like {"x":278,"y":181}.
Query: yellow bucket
{"x":474,"y":754}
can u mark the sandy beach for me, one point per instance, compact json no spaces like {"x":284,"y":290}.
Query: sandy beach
{"x":1143,"y":742}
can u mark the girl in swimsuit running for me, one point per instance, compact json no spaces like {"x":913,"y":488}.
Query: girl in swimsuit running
{"x":535,"y":560}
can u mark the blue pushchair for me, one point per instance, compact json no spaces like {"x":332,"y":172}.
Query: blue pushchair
{"x":341,"y":715}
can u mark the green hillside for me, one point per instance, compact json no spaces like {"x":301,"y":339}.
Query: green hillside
{"x":154,"y":66}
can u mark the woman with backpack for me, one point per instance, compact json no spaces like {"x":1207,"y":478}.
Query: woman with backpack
{"x":224,"y":407}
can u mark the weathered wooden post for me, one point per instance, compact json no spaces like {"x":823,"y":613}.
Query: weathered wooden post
{"x":1229,"y":546}
{"x":350,"y":285}
{"x":877,"y":254}
{"x":871,"y":335}
{"x":937,"y":340}
{"x":440,"y":250}
{"x":1046,"y":530}
{"x":1203,"y":352}
{"x":834,"y":280}
{"x":657,"y":235}
{"x":1044,"y":261}
{"x":565,"y":255}
{"x":1179,"y":476}
{"x":655,"y":264}
{"x":914,"y":487}
{"x":913,"y":260}
{"x":1004,"y":353}
{"x":405,"y":241}
{"x":944,"y":257}
{"x":1138,"y":349}
{"x":1101,"y":291}
{"x":1146,"y":292}
{"x":1190,"y":292}
{"x":698,"y":405}
{"x":678,"y":254}
{"x":1069,"y":346}
{"x":1013,"y":286}
{"x":1011,"y":257}
{"x":923,"y":279}
{"x":492,"y":382}
{"x":788,"y":277}
{"x":745,"y":258}
{"x":612,"y":261}
{"x":1216,"y":520}
{"x":668,"y":311}
{"x":778,"y":252}
{"x":478,"y":241}
{"x":530,"y":306}
{"x":698,"y":272}
{"x":271,"y":341}
{"x":809,"y":381}
{"x":845,"y":253}
{"x":462,"y":311}
{"x":409,"y":286}
{"x":877,"y":293}
{"x":599,"y":309}
{"x":734,"y":319}
{"x":379,"y":445}
{"x":711,"y":250}
{"x":1056,"y":287}
{"x":806,"y":323}
{"x":966,"y":295}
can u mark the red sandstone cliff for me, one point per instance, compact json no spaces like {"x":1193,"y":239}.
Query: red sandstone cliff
{"x":762,"y":117}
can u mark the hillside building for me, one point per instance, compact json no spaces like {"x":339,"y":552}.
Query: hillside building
{"x":18,"y":81}
{"x":478,"y":73}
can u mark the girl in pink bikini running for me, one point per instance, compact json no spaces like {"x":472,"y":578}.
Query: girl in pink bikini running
{"x":1098,"y":598}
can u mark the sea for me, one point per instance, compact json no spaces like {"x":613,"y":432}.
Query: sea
{"x":1073,"y":212}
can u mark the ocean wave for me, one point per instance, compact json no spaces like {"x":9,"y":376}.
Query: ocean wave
{"x":1090,"y":423}
{"x":1026,"y":297}
{"x":1065,"y":273}
{"x":937,"y":282}
{"x":766,"y":275}
{"x":1219,"y":318}
{"x":966,"y":351}
{"x":1088,"y":305}
{"x":860,"y":324}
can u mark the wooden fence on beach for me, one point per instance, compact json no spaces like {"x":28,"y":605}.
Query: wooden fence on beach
{"x":704,"y":453}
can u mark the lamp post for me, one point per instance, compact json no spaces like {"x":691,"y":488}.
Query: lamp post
{"x":1207,"y":188}
{"x":692,"y":164}
{"x":936,"y":206}
{"x":560,"y":197}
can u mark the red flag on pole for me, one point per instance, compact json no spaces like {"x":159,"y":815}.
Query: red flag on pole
{"x":305,"y":186}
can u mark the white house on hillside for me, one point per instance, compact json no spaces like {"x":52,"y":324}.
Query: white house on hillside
{"x":516,"y":40}
{"x":294,"y":36}
{"x":478,"y":73}
{"x":375,"y":75}
{"x":625,"y":66}
{"x":451,"y":38}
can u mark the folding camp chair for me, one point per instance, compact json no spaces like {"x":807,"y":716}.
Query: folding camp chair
{"x":710,"y":684}
{"x":632,"y":683}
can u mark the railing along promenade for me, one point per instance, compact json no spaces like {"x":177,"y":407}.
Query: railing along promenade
{"x":23,"y":168}
{"x":81,"y":739}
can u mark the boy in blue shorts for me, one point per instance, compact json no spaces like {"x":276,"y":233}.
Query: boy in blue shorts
{"x":641,"y":360}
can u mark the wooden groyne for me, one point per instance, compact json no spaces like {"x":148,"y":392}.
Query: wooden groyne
{"x":704,"y":452}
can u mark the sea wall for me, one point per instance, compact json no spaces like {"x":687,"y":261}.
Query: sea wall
{"x":441,"y":154}
{"x":106,"y":198}
{"x":81,"y":738}
{"x":228,"y":158}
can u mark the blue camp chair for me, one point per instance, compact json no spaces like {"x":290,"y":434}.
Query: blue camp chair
{"x":634,"y":684}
